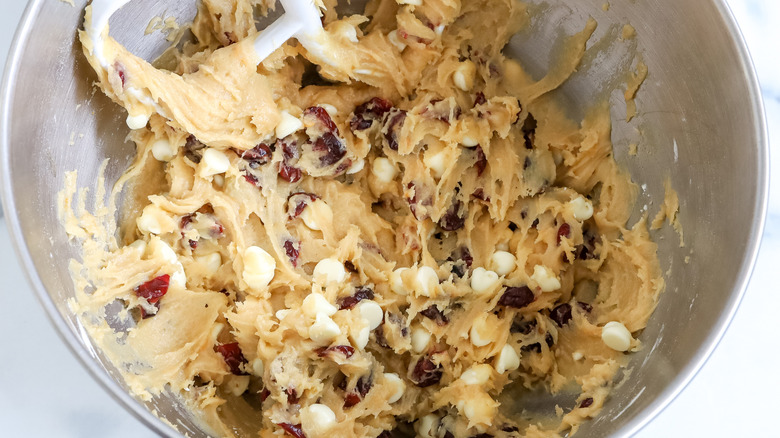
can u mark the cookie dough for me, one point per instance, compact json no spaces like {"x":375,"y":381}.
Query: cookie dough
{"x":308,"y":250}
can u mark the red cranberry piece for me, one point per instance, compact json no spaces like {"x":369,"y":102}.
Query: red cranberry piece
{"x":186,"y":220}
{"x":563,"y":231}
{"x":481,"y":163}
{"x":154,"y":289}
{"x":463,"y":260}
{"x":587,"y":250}
{"x":426,"y":373}
{"x":331,"y":147}
{"x":346,"y":350}
{"x":293,"y":430}
{"x":193,"y":244}
{"x":452,"y":221}
{"x":509,"y":428}
{"x":369,"y":112}
{"x":364,"y":385}
{"x":233,"y":357}
{"x":289,"y":173}
{"x":436,"y":315}
{"x":585,"y":306}
{"x":297,"y":202}
{"x":351,"y":399}
{"x":293,"y":251}
{"x":529,"y":132}
{"x":192,"y":149}
{"x":218,"y":230}
{"x":290,"y":150}
{"x":361,"y":293}
{"x":548,"y":339}
{"x":393,"y":123}
{"x":480,"y":99}
{"x":349,"y":266}
{"x":587,"y":402}
{"x":257,"y":156}
{"x":517,"y":297}
{"x":145,"y":315}
{"x":251,"y":179}
{"x":480,"y":194}
{"x":318,"y":114}
{"x":264,"y":394}
{"x":561,"y":314}
{"x":292,"y":396}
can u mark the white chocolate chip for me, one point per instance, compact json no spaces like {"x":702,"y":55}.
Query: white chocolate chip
{"x":421,"y":338}
{"x":349,"y":33}
{"x":137,"y":121}
{"x":154,"y":220}
{"x":478,"y":374}
{"x":483,"y":280}
{"x":316,"y":419}
{"x":480,"y":333}
{"x":577,"y":356}
{"x":259,"y":268}
{"x":581,"y":208}
{"x":503,"y":262}
{"x":282,"y":313}
{"x":356,"y":167}
{"x":410,"y":2}
{"x":507,"y":360}
{"x":469,"y":141}
{"x":210,"y":263}
{"x":616,"y":336}
{"x":324,"y":329}
{"x":213,"y":162}
{"x":257,"y":367}
{"x":288,"y":124}
{"x":394,"y":40}
{"x":330,"y":270}
{"x":439,"y":29}
{"x":437,"y":162}
{"x":163,"y":150}
{"x":330,"y":109}
{"x":427,"y":281}
{"x":394,"y":381}
{"x":237,"y":385}
{"x":371,"y":312}
{"x":397,"y":281}
{"x":316,"y":303}
{"x":317,"y":214}
{"x":384,"y":170}
{"x":179,"y":278}
{"x":464,"y":74}
{"x":161,"y":250}
{"x":139,"y":246}
{"x":359,"y":336}
{"x":475,"y":409}
{"x":426,"y":426}
{"x":545,"y":278}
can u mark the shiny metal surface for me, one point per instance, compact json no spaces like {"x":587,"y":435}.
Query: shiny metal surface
{"x":700,"y":117}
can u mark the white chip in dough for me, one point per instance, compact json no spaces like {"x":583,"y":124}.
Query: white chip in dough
{"x":397,"y":281}
{"x":288,"y":124}
{"x":483,"y":280}
{"x":317,"y":215}
{"x":213,"y":163}
{"x":162,"y":150}
{"x":426,"y":426}
{"x":480,"y":332}
{"x":394,"y":40}
{"x":356,"y":166}
{"x":210,"y":263}
{"x":427,"y":281}
{"x":507,"y":360}
{"x":421,"y":338}
{"x":137,"y":121}
{"x":395,"y":382}
{"x":436,"y":162}
{"x":316,"y":419}
{"x":410,"y":2}
{"x":259,"y":268}
{"x":384,"y":170}
{"x":324,"y":329}
{"x":316,"y":303}
{"x":616,"y":336}
{"x":330,"y":270}
{"x":371,"y":312}
{"x":545,"y":278}
{"x":464,"y":74}
{"x":478,"y":374}
{"x":503,"y":262}
{"x":154,"y":220}
{"x":359,"y":336}
{"x":582,"y":209}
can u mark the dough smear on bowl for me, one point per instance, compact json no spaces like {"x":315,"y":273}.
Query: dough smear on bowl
{"x":298,"y":252}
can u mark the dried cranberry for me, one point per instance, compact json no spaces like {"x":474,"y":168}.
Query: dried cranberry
{"x":563,"y":231}
{"x":436,"y":315}
{"x":442,"y":111}
{"x":192,"y":149}
{"x":293,"y":250}
{"x":393,"y":123}
{"x":529,"y":132}
{"x":154,"y":289}
{"x":364,"y":385}
{"x":290,"y":150}
{"x":452,"y":221}
{"x":292,"y":396}
{"x":251,"y":179}
{"x":193,"y":244}
{"x":120,"y":70}
{"x":297,"y":202}
{"x":351,"y":399}
{"x":349,"y":266}
{"x":145,"y":315}
{"x":481,"y":163}
{"x":233,"y":357}
{"x":361,"y":293}
{"x":585,"y":306}
{"x":587,"y":250}
{"x":517,"y":297}
{"x":332,"y":148}
{"x":320,"y":115}
{"x":548,"y":339}
{"x":535,"y":347}
{"x":509,"y":428}
{"x":587,"y":402}
{"x":426,"y":373}
{"x":289,"y":173}
{"x":368,"y":112}
{"x":448,"y":434}
{"x":379,"y":334}
{"x":292,"y":430}
{"x":561,"y":314}
{"x":346,"y":350}
{"x":480,"y":194}
{"x":264,"y":394}
{"x":217,"y":230}
{"x":480,"y":99}
{"x":257,"y":156}
{"x":186,"y":220}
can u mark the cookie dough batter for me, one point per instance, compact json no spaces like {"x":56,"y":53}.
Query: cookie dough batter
{"x":316,"y":251}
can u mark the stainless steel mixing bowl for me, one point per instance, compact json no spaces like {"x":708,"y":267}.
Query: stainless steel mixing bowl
{"x":700,"y":122}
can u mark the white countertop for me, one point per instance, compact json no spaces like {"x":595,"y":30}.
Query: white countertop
{"x":734,"y":395}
